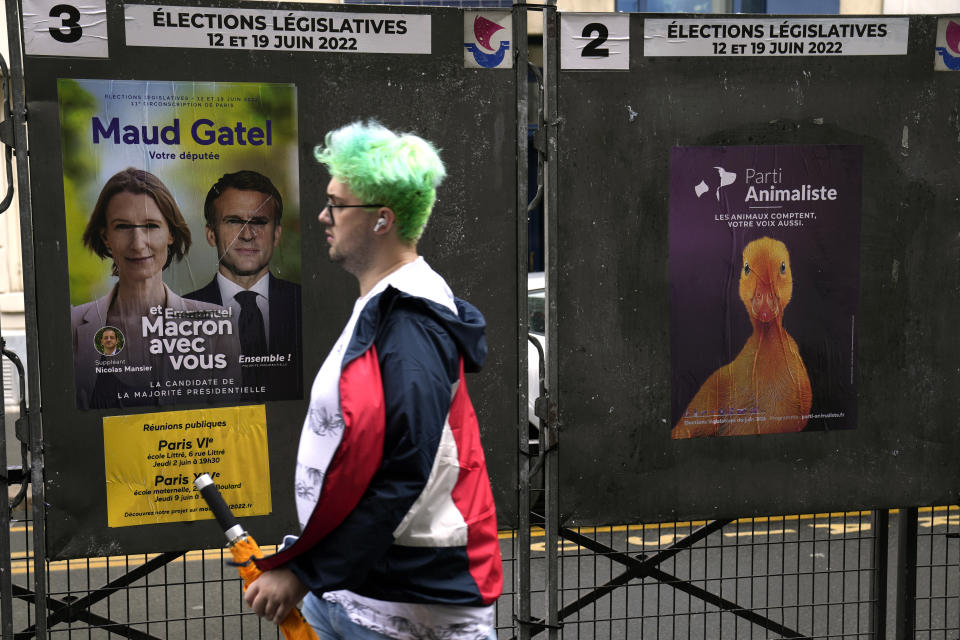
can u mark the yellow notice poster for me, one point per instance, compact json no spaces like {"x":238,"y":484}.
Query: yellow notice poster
{"x":152,"y":459}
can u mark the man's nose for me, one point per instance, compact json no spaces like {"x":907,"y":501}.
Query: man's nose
{"x":325,"y":216}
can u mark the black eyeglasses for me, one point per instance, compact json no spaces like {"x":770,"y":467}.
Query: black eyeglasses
{"x":332,"y":206}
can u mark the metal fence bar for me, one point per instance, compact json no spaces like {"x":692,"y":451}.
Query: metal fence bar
{"x":549,"y":436}
{"x":878,"y":583}
{"x":725,"y":605}
{"x":953,"y":535}
{"x":84,"y":615}
{"x":637,"y":567}
{"x":6,"y":577}
{"x":13,"y":476}
{"x":69,"y":612}
{"x":16,"y":87}
{"x":522,"y":569}
{"x":906,"y":574}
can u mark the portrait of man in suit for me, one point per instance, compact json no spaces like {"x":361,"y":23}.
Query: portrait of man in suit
{"x":243,"y":213}
{"x":109,"y":342}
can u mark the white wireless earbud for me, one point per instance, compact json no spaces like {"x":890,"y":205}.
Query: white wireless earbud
{"x":381,"y":223}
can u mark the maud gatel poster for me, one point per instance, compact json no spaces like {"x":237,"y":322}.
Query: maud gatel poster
{"x":183,"y":238}
{"x":764,"y":288}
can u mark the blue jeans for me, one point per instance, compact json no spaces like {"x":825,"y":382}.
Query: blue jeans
{"x":331,"y":622}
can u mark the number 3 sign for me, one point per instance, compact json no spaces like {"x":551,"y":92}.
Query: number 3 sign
{"x":57,"y":28}
{"x":594,"y":41}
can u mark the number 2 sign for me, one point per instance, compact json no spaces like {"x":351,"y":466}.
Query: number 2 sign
{"x":594,"y":41}
{"x":71,"y":28}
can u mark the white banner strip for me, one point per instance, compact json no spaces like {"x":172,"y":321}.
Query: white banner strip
{"x":776,"y":37}
{"x":275,"y":30}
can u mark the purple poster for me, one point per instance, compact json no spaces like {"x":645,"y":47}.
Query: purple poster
{"x":764,"y":288}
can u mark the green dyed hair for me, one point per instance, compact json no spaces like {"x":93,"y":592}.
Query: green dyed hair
{"x":400,"y":171}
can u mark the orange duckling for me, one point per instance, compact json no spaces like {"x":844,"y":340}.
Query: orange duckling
{"x":766,"y":388}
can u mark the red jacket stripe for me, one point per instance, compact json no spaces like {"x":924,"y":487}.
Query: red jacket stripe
{"x":473,"y":498}
{"x":357,"y":458}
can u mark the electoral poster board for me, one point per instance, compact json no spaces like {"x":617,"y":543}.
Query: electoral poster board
{"x":757,"y":240}
{"x":172,"y":149}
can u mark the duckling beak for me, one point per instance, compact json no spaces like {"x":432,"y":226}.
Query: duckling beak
{"x":765,"y":304}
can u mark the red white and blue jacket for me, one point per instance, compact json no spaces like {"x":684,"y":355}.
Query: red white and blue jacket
{"x":406,"y":513}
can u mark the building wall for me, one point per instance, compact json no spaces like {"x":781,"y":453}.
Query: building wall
{"x":921,"y":6}
{"x":11,"y":265}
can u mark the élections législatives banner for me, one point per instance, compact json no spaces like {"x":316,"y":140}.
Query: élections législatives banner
{"x":764,"y":288}
{"x":183,"y":237}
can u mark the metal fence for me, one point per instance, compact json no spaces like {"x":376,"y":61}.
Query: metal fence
{"x":938,"y":574}
{"x":800,"y":576}
{"x":807,"y":576}
{"x":833,"y":575}
{"x":189,"y":595}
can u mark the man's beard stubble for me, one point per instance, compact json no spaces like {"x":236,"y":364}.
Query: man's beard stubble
{"x":232,"y":268}
{"x":222,"y":259}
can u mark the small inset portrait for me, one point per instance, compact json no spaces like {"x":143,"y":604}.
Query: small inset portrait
{"x":109,"y":341}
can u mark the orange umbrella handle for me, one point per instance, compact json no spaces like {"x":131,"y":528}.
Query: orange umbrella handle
{"x":244,"y":548}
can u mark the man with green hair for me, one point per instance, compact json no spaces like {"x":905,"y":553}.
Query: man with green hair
{"x":398,"y":529}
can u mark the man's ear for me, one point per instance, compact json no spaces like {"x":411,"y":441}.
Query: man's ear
{"x":276,"y":236}
{"x":211,"y":236}
{"x":389,"y":218}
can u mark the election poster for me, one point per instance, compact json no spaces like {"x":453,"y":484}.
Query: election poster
{"x":152,"y":459}
{"x":764,"y":288}
{"x":183,"y":239}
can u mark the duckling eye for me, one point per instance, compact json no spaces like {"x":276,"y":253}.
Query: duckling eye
{"x":746,"y":269}
{"x":783,"y":268}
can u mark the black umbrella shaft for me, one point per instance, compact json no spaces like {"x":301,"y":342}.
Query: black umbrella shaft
{"x":208,"y":489}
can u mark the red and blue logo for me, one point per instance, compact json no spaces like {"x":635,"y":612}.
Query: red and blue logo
{"x":950,"y":54}
{"x":485,"y":53}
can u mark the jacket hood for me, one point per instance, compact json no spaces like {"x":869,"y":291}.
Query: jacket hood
{"x":467,"y":328}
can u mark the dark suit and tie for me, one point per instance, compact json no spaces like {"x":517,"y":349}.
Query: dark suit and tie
{"x":283,"y":381}
{"x":243,"y":211}
{"x":253,"y":337}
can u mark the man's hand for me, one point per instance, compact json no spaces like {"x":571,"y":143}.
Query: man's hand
{"x":274,"y":594}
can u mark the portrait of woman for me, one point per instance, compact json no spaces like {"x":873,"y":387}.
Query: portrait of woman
{"x":137,"y":225}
